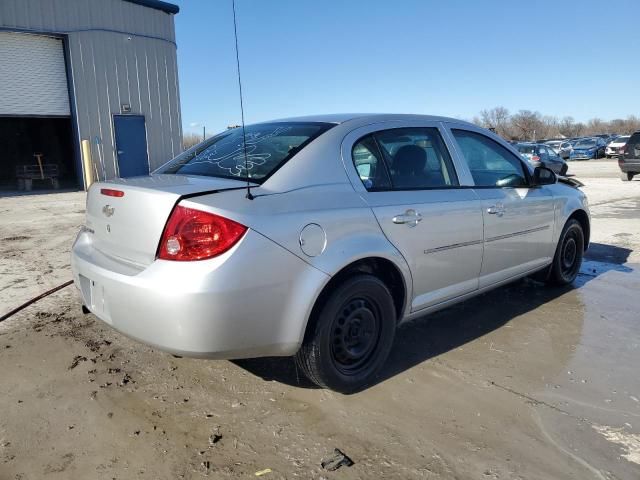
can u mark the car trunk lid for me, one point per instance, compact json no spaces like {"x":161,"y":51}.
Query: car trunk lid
{"x":127,"y":216}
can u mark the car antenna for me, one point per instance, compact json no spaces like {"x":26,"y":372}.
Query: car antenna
{"x":244,"y":136}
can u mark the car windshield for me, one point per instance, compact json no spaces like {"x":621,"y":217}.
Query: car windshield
{"x":586,"y":143}
{"x":527,"y":149}
{"x":622,"y":139}
{"x":268,"y":146}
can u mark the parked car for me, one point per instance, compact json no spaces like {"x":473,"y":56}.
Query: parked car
{"x":565,"y":150}
{"x":539,"y":154}
{"x":318,"y":236}
{"x":616,"y":147}
{"x":629,"y":159}
{"x":555,"y":145}
{"x":588,"y":148}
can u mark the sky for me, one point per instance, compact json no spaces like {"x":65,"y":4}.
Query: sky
{"x":451,"y":58}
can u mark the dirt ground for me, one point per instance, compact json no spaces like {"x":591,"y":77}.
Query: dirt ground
{"x":525,"y":382}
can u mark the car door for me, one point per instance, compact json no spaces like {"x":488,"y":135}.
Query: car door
{"x":555,"y":162}
{"x":543,"y":153}
{"x":549,"y":158}
{"x":518,"y":218}
{"x":407,"y":177}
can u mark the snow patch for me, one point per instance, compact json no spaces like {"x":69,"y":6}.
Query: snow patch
{"x":629,"y":441}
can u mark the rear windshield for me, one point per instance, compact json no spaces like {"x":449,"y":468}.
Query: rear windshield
{"x":269,"y":146}
{"x":586,"y":143}
{"x":527,"y":149}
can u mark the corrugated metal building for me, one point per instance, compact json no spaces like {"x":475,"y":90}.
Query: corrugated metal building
{"x":98,"y":70}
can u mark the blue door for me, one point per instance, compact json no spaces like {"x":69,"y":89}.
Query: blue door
{"x":131,"y":145}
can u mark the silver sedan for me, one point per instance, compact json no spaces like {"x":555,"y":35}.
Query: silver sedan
{"x":315,"y":237}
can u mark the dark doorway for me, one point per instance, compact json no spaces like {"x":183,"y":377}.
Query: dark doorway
{"x":131,"y":145}
{"x":29,"y":143}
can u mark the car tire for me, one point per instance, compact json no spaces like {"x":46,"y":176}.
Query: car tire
{"x":348,"y":342}
{"x":569,"y":253}
{"x":626,"y":176}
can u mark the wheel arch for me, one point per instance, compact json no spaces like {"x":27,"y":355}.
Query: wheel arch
{"x":582,"y":217}
{"x":383,"y":268}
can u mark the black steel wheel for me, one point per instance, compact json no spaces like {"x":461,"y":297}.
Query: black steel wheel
{"x":569,"y":253}
{"x":351,"y":337}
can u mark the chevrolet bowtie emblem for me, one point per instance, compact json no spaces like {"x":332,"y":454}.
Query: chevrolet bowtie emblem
{"x":108,"y":210}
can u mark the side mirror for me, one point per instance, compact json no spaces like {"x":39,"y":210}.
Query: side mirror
{"x":544,"y":176}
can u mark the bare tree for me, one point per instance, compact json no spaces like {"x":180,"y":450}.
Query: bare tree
{"x":190,"y":139}
{"x":567,"y":127}
{"x":497,"y":119}
{"x":596,"y":126}
{"x":527,"y":124}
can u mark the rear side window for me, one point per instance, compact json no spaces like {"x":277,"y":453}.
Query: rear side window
{"x":490,"y":163}
{"x":369,"y":163}
{"x":632,"y":149}
{"x":411,"y":159}
{"x":527,"y":149}
{"x":269,"y":146}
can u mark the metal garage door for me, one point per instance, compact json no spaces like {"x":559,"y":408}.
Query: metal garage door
{"x":33,"y":79}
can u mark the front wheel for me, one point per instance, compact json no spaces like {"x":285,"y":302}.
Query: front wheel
{"x":569,"y":252}
{"x":351,"y":338}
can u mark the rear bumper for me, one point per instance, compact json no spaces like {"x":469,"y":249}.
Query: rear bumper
{"x":582,"y":156}
{"x":252,"y":301}
{"x":629,"y":167}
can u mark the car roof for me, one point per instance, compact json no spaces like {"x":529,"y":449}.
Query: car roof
{"x":338,"y":118}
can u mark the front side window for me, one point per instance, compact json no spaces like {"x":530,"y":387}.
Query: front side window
{"x":268,"y":146}
{"x":490,"y":163}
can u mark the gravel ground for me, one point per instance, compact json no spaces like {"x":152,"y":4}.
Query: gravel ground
{"x":523,"y":382}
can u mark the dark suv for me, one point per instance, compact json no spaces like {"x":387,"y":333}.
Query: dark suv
{"x":629,"y":161}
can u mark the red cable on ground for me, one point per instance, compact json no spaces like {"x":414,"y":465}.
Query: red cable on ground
{"x":34,"y":300}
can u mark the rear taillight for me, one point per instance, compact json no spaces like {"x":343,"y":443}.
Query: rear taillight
{"x":196,"y":235}
{"x":535,"y":158}
{"x":110,"y":192}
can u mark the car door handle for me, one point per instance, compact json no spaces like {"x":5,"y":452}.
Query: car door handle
{"x":410,"y":218}
{"x":120,"y":152}
{"x":496,"y":210}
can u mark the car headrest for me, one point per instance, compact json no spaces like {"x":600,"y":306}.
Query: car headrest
{"x":409,"y":159}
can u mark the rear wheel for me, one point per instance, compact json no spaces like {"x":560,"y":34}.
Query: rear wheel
{"x":563,"y":169}
{"x":351,"y":337}
{"x":626,"y":176}
{"x":569,"y":252}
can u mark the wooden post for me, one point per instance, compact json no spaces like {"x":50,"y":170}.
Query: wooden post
{"x":87,"y":164}
{"x":39,"y":159}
